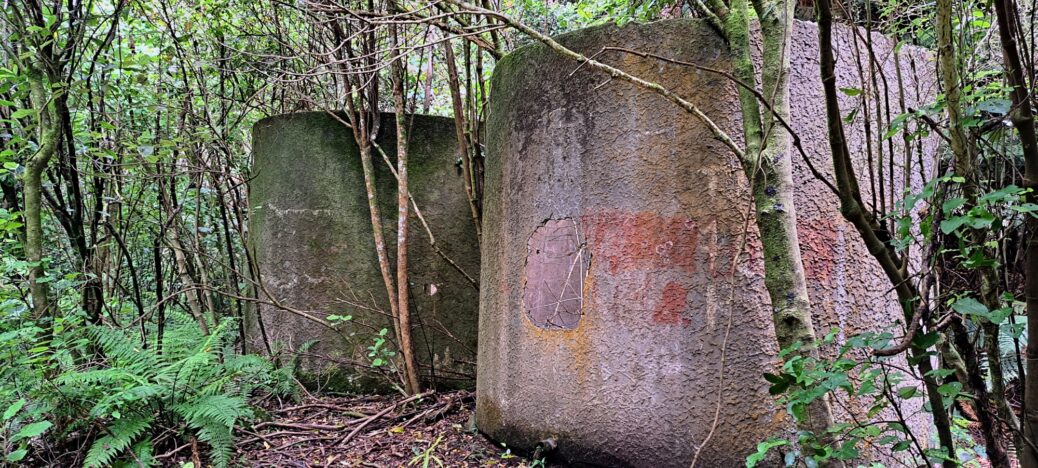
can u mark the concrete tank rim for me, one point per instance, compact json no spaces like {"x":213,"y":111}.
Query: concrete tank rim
{"x":271,"y":119}
{"x":561,"y":38}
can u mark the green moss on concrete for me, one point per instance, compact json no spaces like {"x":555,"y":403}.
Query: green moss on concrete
{"x":312,"y":235}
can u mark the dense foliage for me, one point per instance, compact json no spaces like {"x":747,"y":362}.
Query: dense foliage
{"x":126,"y":273}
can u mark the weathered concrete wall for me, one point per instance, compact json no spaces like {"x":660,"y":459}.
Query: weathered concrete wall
{"x":612,"y":220}
{"x":312,"y":234}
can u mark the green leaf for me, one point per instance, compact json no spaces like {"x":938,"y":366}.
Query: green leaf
{"x":949,"y":391}
{"x":998,"y":316}
{"x":20,"y":113}
{"x":851,"y":91}
{"x":940,"y":373}
{"x":779,"y":383}
{"x":13,"y":409}
{"x":926,"y":340}
{"x":32,"y":430}
{"x":16,"y":455}
{"x":762,"y":451}
{"x":980,"y":218}
{"x":907,"y":392}
{"x":970,"y":306}
{"x":949,"y":225}
{"x":901,"y":446}
{"x":1025,"y":208}
{"x":952,"y":203}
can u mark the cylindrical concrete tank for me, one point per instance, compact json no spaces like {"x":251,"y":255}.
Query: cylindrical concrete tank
{"x":612,"y":219}
{"x":311,"y":231}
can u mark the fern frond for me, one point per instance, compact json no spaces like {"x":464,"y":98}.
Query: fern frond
{"x":122,"y":350}
{"x":223,"y":409}
{"x":213,"y":418}
{"x":220,"y":441}
{"x":143,"y":454}
{"x":127,"y":396}
{"x":122,"y":434}
{"x":106,"y":377}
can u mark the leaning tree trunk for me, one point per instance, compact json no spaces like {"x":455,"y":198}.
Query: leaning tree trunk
{"x":853,"y":210}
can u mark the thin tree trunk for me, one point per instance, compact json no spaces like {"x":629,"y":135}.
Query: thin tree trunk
{"x":377,"y":230}
{"x":187,"y":283}
{"x":32,"y":187}
{"x":403,"y":209}
{"x":961,"y":149}
{"x":769,"y":171}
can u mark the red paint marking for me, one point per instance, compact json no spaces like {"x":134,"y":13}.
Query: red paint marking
{"x":671,"y":308}
{"x":818,"y":249}
{"x":642,"y":241}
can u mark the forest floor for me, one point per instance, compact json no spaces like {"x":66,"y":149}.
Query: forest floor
{"x":375,"y":431}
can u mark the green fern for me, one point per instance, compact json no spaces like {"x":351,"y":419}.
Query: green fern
{"x":213,"y":417}
{"x":197,"y":382}
{"x":143,"y":454}
{"x":221,"y":443}
{"x":122,"y":434}
{"x":220,"y":408}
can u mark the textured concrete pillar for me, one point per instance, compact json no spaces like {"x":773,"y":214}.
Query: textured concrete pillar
{"x":613,"y":219}
{"x":311,"y":230}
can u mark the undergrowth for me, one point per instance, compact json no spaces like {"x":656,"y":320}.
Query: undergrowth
{"x":107,"y":397}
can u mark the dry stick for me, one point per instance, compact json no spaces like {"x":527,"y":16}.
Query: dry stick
{"x":459,"y":130}
{"x":742,"y":246}
{"x":327,"y":406}
{"x":735,"y":261}
{"x":271,"y":302}
{"x":918,"y":313}
{"x":727,"y":332}
{"x":351,"y":435}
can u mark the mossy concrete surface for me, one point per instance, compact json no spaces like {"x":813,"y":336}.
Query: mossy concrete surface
{"x":660,"y":207}
{"x":311,"y":233}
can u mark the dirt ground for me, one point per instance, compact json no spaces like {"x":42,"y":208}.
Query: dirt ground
{"x":377,"y":431}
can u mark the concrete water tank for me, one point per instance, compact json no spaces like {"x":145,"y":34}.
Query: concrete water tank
{"x":612,"y":218}
{"x":311,"y":233}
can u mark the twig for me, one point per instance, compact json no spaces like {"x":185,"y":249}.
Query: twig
{"x":378,"y":415}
